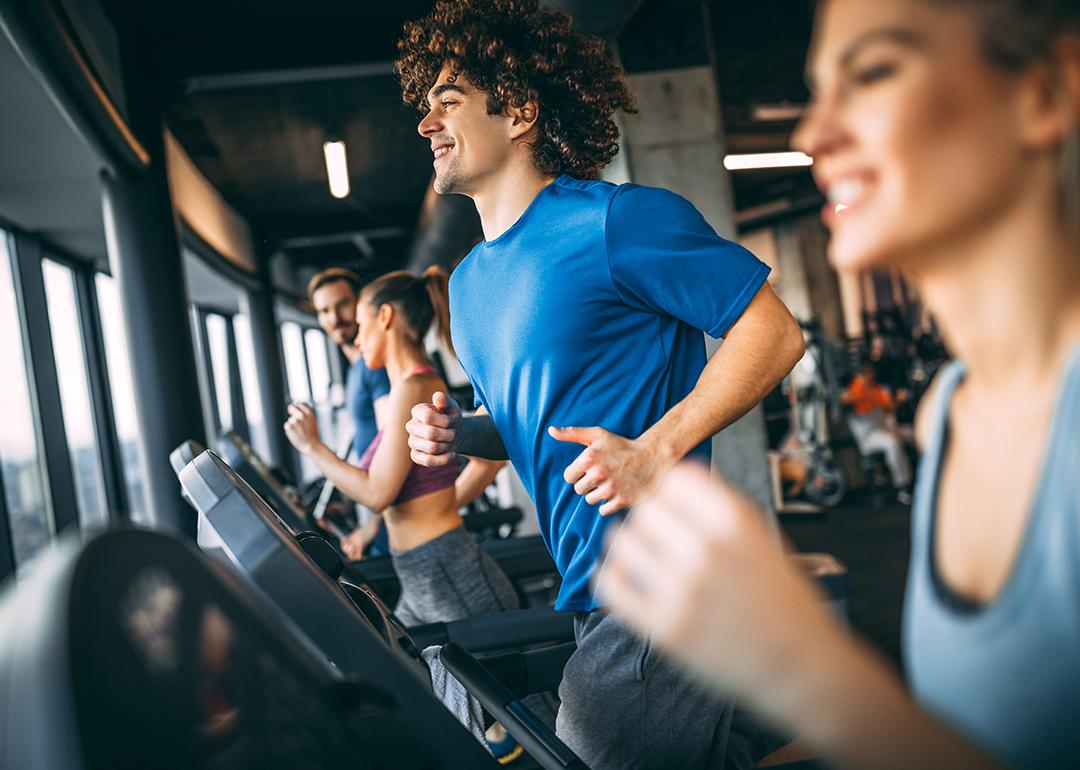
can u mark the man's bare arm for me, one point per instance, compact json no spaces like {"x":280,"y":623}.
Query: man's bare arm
{"x":759,"y":349}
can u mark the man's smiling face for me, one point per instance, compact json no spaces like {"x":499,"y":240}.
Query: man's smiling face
{"x":468,"y":144}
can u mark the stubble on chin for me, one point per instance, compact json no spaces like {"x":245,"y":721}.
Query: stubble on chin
{"x":448,"y":182}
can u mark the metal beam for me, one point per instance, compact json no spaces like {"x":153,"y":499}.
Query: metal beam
{"x":229,"y":81}
{"x":350,"y":236}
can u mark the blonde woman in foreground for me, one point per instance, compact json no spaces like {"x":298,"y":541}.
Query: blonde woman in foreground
{"x":945,"y":137}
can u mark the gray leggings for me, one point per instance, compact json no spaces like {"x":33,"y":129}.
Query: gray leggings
{"x":450,"y":578}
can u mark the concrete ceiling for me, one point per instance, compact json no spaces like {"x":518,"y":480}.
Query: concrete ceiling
{"x":48,"y":176}
{"x":253,"y":90}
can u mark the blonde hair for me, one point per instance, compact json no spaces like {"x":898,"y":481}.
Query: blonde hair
{"x":1017,"y":33}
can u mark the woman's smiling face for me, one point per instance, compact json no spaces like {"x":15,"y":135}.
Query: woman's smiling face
{"x":915,"y":134}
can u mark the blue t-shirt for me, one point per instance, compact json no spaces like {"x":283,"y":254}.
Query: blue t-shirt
{"x":589,"y":311}
{"x":362,"y":387}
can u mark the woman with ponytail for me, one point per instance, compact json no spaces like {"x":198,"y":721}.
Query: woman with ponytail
{"x":444,"y":575}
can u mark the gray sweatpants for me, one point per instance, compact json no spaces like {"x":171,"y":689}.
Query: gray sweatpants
{"x":450,"y":578}
{"x":624,"y":706}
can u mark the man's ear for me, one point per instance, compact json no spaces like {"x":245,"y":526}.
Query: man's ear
{"x":523,"y":119}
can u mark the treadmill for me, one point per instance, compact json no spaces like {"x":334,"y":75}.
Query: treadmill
{"x":134,"y":650}
{"x":247,"y":463}
{"x":298,"y":577}
{"x":525,"y":560}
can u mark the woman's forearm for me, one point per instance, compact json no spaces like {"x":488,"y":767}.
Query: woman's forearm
{"x":476,"y":477}
{"x":354,"y":483}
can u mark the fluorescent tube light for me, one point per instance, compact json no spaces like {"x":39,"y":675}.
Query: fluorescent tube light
{"x":766,"y":160}
{"x":783,"y":112}
{"x":337,"y":170}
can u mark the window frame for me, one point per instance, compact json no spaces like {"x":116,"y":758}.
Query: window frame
{"x":44,"y":381}
{"x":103,"y":417}
{"x":200,"y":312}
{"x":28,"y":252}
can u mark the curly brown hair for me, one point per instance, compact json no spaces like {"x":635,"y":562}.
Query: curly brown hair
{"x":517,"y":51}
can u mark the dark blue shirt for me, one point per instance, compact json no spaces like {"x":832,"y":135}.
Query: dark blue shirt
{"x":589,"y":310}
{"x":362,"y":387}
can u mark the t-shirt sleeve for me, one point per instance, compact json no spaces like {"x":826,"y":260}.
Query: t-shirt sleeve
{"x":664,"y":257}
{"x":378,"y":384}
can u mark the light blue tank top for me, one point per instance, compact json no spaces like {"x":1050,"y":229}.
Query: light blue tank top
{"x":1005,"y":674}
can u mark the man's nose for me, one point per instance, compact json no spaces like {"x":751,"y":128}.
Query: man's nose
{"x":428,"y":125}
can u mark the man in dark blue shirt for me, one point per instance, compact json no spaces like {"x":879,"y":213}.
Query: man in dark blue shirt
{"x":579,"y":321}
{"x":334,"y":292}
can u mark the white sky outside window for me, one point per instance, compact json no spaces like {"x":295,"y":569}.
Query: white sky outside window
{"x":28,"y":505}
{"x":71,"y":373}
{"x":292,"y":343}
{"x":318,"y":364}
{"x":249,"y":385}
{"x":217,"y":334}
{"x":123,"y":394}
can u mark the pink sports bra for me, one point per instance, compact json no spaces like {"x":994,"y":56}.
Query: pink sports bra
{"x":421,"y":479}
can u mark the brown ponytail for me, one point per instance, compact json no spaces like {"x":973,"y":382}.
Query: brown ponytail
{"x":437,"y":281}
{"x":419,"y":300}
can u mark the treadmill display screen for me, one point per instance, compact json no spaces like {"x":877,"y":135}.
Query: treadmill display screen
{"x":183,"y":678}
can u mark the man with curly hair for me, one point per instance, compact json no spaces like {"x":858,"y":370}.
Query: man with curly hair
{"x":584,"y":306}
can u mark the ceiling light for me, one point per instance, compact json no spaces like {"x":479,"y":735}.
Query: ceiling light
{"x":782,"y":112}
{"x":337,"y":170}
{"x":766,"y":160}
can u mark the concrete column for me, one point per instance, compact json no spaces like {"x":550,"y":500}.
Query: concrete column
{"x":258,"y":305}
{"x":806,"y":282}
{"x":145,"y":258}
{"x":144,"y":253}
{"x":676,"y":141}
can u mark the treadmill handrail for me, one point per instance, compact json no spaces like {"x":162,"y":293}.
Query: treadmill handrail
{"x":534,"y":736}
{"x":499,"y":631}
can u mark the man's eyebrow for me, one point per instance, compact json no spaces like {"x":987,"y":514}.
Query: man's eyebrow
{"x":441,"y":89}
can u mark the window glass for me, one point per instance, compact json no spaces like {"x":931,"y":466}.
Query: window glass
{"x":331,"y":427}
{"x":296,"y":374}
{"x":249,"y":385}
{"x":123,"y":395}
{"x":292,"y":345}
{"x":71,"y":372}
{"x":318,"y":365}
{"x":217,"y":335}
{"x":21,"y":457}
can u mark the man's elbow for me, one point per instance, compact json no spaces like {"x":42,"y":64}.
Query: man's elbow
{"x":793,"y":346}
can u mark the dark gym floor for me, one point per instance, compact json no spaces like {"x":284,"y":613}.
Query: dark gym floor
{"x":874,"y":545}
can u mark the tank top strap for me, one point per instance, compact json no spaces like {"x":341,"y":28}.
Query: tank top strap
{"x":1068,"y":408}
{"x":1062,"y":474}
{"x":422,"y":369}
{"x":926,"y":483}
